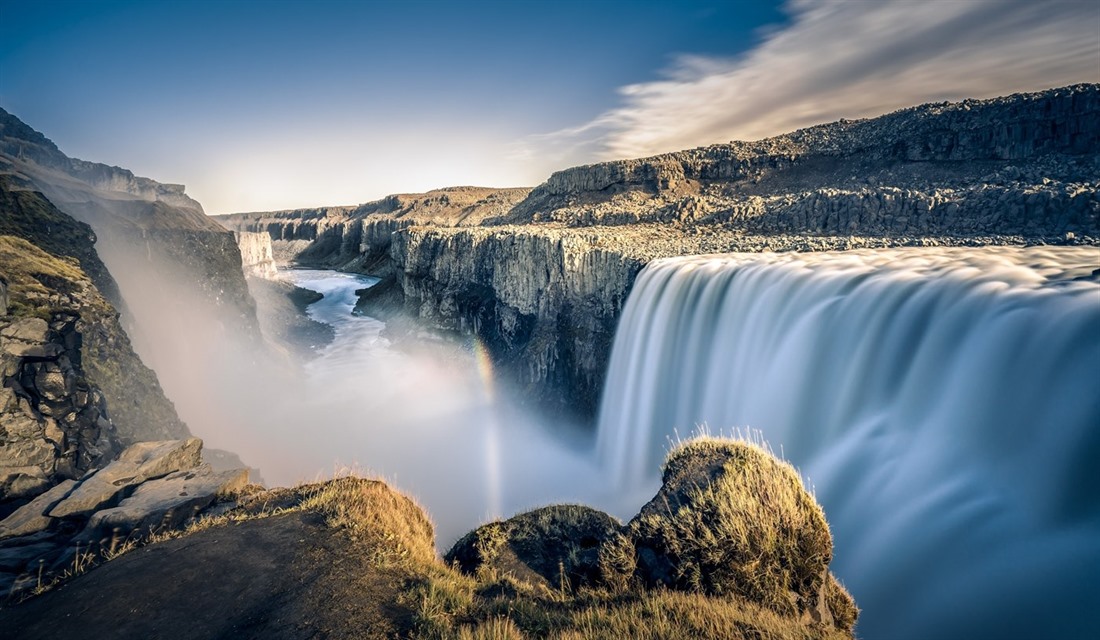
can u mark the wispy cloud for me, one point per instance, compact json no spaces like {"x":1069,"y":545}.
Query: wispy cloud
{"x":844,"y":59}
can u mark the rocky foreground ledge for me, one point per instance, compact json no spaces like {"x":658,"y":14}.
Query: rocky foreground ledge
{"x":731,"y":546}
{"x":150,"y":489}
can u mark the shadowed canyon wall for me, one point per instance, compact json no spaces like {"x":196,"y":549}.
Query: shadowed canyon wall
{"x":180,"y":286}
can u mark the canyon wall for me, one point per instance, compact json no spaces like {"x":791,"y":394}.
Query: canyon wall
{"x":181,"y":290}
{"x":257,"y":259}
{"x":86,"y":319}
{"x":540,"y":276}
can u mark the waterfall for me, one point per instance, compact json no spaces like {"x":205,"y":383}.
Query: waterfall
{"x":944,"y":404}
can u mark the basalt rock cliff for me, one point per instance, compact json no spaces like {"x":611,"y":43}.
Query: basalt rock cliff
{"x":181,"y":290}
{"x":47,"y":288}
{"x":540,"y":276}
{"x":92,"y":453}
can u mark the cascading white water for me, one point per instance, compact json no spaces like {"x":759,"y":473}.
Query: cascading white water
{"x":944,"y":403}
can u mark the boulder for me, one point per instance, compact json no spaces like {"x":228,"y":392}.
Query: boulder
{"x":546,"y":548}
{"x":138,"y":463}
{"x":732,"y":520}
{"x":167,"y":502}
{"x":23,"y":334}
{"x":31,"y":517}
{"x":22,"y":482}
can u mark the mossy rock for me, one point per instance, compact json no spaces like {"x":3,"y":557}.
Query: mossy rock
{"x":732,"y":520}
{"x":549,"y":547}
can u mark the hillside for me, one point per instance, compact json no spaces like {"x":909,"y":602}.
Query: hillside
{"x":352,"y":558}
{"x":140,"y":410}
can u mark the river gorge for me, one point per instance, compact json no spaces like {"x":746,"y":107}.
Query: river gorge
{"x":906,"y":309}
{"x":831,"y":359}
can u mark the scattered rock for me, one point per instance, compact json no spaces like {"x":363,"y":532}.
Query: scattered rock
{"x":140,"y":462}
{"x":31,"y":517}
{"x":166,"y":503}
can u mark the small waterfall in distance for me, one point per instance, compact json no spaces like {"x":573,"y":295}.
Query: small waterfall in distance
{"x":944,"y":404}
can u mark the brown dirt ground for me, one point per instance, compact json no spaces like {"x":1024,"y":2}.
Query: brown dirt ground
{"x":281,"y":578}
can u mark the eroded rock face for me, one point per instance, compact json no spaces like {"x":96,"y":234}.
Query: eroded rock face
{"x":545,"y":302}
{"x":53,"y":423}
{"x":256,"y":257}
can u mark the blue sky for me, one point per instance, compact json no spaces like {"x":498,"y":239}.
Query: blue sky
{"x":264,"y":105}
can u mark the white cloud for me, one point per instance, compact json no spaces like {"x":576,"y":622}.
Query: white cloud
{"x":845,"y":59}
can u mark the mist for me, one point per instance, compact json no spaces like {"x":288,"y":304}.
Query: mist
{"x":430,"y":418}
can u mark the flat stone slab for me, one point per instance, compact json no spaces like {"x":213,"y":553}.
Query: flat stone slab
{"x":23,"y":334}
{"x":31,"y":517}
{"x":167,"y":502}
{"x":137,"y":464}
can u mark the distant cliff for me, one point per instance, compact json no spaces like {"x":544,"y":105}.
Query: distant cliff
{"x":256,"y":256}
{"x":358,"y":237}
{"x":541,"y":275}
{"x":145,"y":229}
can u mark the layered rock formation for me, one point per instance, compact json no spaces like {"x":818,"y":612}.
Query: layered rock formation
{"x":359,"y":237}
{"x":181,"y":290}
{"x":540,"y":276}
{"x":256,"y":257}
{"x":81,"y":320}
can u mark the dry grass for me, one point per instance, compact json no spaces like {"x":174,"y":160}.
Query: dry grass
{"x":448,"y":605}
{"x":661,"y":615}
{"x":35,"y":277}
{"x":752,"y":532}
{"x":442,"y":602}
{"x":751,"y":547}
{"x":395,"y":529}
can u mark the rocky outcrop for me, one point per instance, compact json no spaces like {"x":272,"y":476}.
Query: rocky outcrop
{"x":54,"y":423}
{"x":256,"y":257}
{"x":140,"y":462}
{"x":544,"y":548}
{"x":179,"y":273}
{"x":150,"y":488}
{"x":84,"y":324}
{"x":733,"y":521}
